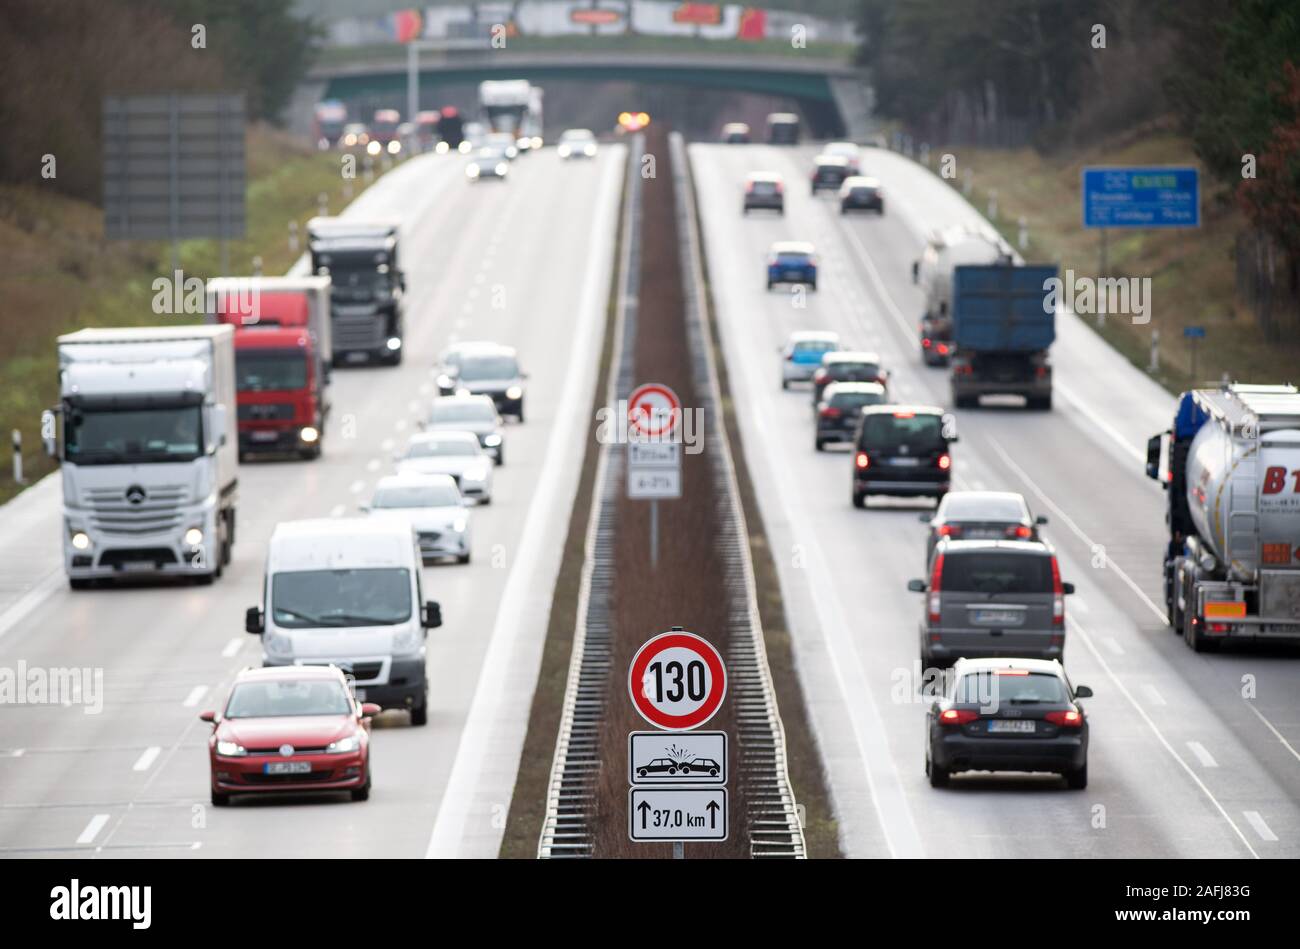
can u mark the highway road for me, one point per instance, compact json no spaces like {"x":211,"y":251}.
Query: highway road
{"x":1182,"y":764}
{"x":526,"y":263}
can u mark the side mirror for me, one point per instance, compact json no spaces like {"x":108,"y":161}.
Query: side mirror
{"x":916,"y":586}
{"x":1040,"y":519}
{"x":1082,"y":692}
{"x":370,"y":709}
{"x":211,"y":717}
{"x":253,"y":621}
{"x":1067,"y":588}
{"x":401,"y":279}
{"x":916,"y":271}
{"x":1153,"y":456}
{"x":432,"y":617}
{"x":954,"y":439}
{"x":50,"y":432}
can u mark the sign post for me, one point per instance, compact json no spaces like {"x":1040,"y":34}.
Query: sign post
{"x":654,"y":457}
{"x":1194,"y":334}
{"x":678,"y":775}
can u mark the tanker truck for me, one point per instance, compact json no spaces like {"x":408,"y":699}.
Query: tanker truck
{"x":946,"y":250}
{"x":1230,"y":467}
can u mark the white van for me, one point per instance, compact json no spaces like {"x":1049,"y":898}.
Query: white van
{"x":347,"y":592}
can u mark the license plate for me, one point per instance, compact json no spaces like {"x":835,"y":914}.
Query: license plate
{"x":794,"y":275}
{"x":137,"y":566}
{"x":264,"y":436}
{"x":981,"y":535}
{"x":1005,"y":617}
{"x":1017,"y":727}
{"x":360,"y":694}
{"x":287,"y":767}
{"x":904,"y":462}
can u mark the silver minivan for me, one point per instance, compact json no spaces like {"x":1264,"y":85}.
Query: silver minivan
{"x":992,"y":599}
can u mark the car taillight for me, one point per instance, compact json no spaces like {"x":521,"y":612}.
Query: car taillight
{"x":862,"y":460}
{"x":904,"y":415}
{"x":932,"y":606}
{"x":962,"y":369}
{"x":945,"y":462}
{"x":830,"y":412}
{"x":957,"y":716}
{"x":950,"y":530}
{"x":819,"y":375}
{"x":1218,"y":627}
{"x":1067,"y":718}
{"x":1041,"y":372}
{"x":943,"y":349}
{"x":1019,"y":530}
{"x":925,"y":343}
{"x":1058,"y":595}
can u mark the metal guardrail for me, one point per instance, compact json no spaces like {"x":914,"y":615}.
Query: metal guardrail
{"x":772,"y":818}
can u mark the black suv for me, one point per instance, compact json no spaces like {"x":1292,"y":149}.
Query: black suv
{"x":902,"y":450}
{"x":829,"y":172}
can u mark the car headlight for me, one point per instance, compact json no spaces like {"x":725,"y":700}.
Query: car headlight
{"x":515,"y":392}
{"x":343,"y":745}
{"x":472,"y":171}
{"x":374,"y":148}
{"x":309,"y":434}
{"x":394,"y":343}
{"x":501,"y":168}
{"x":459,"y":524}
{"x":194,"y":537}
{"x":442,"y":148}
{"x":464,"y":148}
{"x":589,"y":150}
{"x":537,"y":142}
{"x":564,"y":151}
{"x":446,"y":382}
{"x":475,"y":475}
{"x":81,"y":540}
{"x":492,"y":441}
{"x":394,"y":147}
{"x":228,"y":749}
{"x":277,"y":645}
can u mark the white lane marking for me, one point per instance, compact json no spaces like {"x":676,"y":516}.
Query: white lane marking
{"x":1276,"y":734}
{"x":1261,"y":828}
{"x":196,"y":694}
{"x":1153,"y":694}
{"x":1069,"y":522}
{"x":373,"y":464}
{"x":28,"y":602}
{"x":493,"y":713}
{"x":145,"y":760}
{"x":338,"y":510}
{"x":93,"y":828}
{"x":19,"y":752}
{"x":1113,"y":645}
{"x":1106,"y":428}
{"x":1155,"y":730}
{"x":1202,"y":754}
{"x":357,"y":486}
{"x":235,"y":644}
{"x":425,"y":389}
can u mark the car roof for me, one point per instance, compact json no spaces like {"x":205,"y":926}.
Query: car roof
{"x":413,"y":480}
{"x":463,"y":398}
{"x":490,"y":349}
{"x":764,"y":176}
{"x":441,"y":435}
{"x":869,"y":388}
{"x":792,"y":247}
{"x":842,"y":145}
{"x":985,"y":496}
{"x":1049,"y":666}
{"x":1006,"y":546}
{"x":331,"y":543}
{"x":280,"y":673}
{"x":824,"y":159}
{"x":851,"y":355}
{"x":800,"y":336}
{"x":895,"y":408}
{"x":861,"y":181}
{"x":575,"y":133}
{"x":737,"y":126}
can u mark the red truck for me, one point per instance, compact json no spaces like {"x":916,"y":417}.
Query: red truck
{"x":283,"y":355}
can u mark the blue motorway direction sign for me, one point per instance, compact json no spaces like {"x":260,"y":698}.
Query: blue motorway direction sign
{"x":1141,"y":197}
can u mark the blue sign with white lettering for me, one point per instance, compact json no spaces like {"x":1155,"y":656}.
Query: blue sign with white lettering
{"x":1141,"y":197}
{"x":1194,"y":332}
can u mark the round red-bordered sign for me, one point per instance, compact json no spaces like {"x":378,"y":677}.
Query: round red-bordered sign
{"x":677,"y":681}
{"x":653,"y":410}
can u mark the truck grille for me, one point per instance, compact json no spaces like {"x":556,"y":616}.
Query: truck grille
{"x":266,"y":412}
{"x":112,"y":513}
{"x":364,"y":331}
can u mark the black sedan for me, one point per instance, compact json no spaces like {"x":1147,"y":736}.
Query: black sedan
{"x":841,"y":407}
{"x":981,"y":515}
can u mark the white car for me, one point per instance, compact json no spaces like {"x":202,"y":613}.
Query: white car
{"x":490,"y":161}
{"x":802,"y":354}
{"x":469,"y":413}
{"x":450,"y":453}
{"x":577,"y":143}
{"x":433,"y":507}
{"x":849,"y":152}
{"x":449,"y":361}
{"x":506,"y":142}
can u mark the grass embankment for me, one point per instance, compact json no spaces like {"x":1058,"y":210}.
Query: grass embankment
{"x":1193,"y":272}
{"x":62,"y":275}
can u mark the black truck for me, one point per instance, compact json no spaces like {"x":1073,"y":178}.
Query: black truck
{"x":367,"y":286}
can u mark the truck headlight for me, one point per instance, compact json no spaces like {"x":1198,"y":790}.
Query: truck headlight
{"x":277,"y":645}
{"x":309,"y":434}
{"x":492,"y":441}
{"x":343,"y":745}
{"x":394,"y":147}
{"x":228,"y":749}
{"x":394,"y":343}
{"x":464,"y":148}
{"x":81,"y":540}
{"x":537,"y":141}
{"x":442,"y":148}
{"x":501,"y":168}
{"x":194,"y":537}
{"x":514,"y":392}
{"x":374,"y":148}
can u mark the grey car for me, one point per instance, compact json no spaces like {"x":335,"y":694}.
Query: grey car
{"x":992,"y":599}
{"x":981,"y":515}
{"x":470,"y":413}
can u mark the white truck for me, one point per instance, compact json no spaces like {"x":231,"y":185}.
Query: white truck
{"x":504,"y":104}
{"x":946,"y":250}
{"x":144,"y":431}
{"x":1231,"y":474}
{"x":530,"y":132}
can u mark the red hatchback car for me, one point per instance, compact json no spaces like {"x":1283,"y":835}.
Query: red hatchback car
{"x":290,"y":728}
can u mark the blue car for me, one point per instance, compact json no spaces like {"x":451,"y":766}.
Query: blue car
{"x":802,"y":354}
{"x":792,"y":262}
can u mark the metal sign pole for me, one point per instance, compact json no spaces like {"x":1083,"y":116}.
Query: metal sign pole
{"x":412,"y":80}
{"x":654,"y":534}
{"x":679,"y":850}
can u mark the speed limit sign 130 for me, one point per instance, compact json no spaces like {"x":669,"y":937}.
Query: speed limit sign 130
{"x":677,"y":681}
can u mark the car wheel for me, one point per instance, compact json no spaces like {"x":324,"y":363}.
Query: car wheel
{"x":362,"y":793}
{"x":713,"y":772}
{"x":859,"y":499}
{"x":1077,"y":780}
{"x":220,"y":799}
{"x":462,"y":558}
{"x":641,"y":772}
{"x":938,"y":776}
{"x":813,"y":286}
{"x":966,"y":401}
{"x":420,"y":714}
{"x":80,"y":583}
{"x":769,"y":285}
{"x":820,"y":445}
{"x":785,"y":383}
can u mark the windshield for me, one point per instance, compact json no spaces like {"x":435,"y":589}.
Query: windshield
{"x":793,"y":257}
{"x":855,"y":400}
{"x":372,"y":596}
{"x":993,"y":571}
{"x":436,"y":495}
{"x":133,"y":436}
{"x":442,"y":447}
{"x":814,"y":346}
{"x":263,"y":369}
{"x":352,"y":271}
{"x":983,"y":509}
{"x":917,"y":432}
{"x":1010,"y":688}
{"x":277,"y":698}
{"x":474,"y":368}
{"x":477,"y":412}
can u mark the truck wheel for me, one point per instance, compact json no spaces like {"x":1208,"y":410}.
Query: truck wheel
{"x":420,"y":714}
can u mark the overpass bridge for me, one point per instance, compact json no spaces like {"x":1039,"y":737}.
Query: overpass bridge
{"x":832,"y":95}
